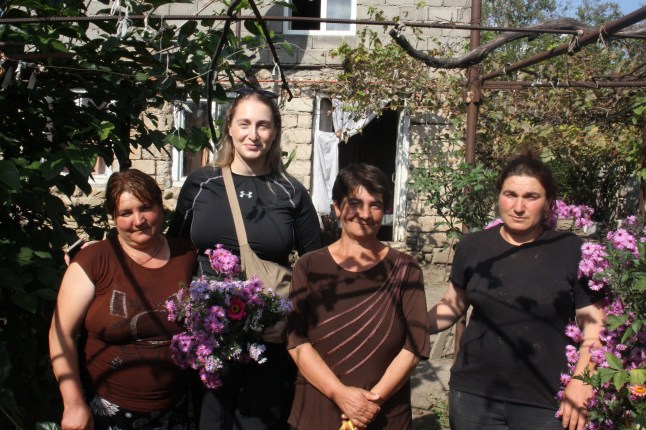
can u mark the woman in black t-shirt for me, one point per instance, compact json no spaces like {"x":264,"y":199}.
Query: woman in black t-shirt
{"x":521,"y":280}
{"x":278,"y":216}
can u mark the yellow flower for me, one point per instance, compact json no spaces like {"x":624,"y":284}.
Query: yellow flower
{"x":347,"y":425}
{"x":638,"y":390}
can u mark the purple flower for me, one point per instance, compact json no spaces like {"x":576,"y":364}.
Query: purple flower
{"x":223,"y":261}
{"x":212,"y":381}
{"x":223,"y":317}
{"x":493,"y":223}
{"x":574,"y":332}
{"x":256,"y":352}
{"x":171,"y":308}
{"x":571,"y":353}
{"x":565,"y":379}
{"x":622,"y":239}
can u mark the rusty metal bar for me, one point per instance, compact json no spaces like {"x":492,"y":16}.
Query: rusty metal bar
{"x":473,"y":106}
{"x":519,"y":85}
{"x":420,"y":24}
{"x":588,"y":37}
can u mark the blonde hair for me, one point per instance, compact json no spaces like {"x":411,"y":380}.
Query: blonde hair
{"x":225,"y":150}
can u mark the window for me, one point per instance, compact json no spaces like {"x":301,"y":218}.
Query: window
{"x":101,"y":171}
{"x":184,"y":162}
{"x":341,"y":9}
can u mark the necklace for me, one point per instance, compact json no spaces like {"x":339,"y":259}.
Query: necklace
{"x":152,"y":255}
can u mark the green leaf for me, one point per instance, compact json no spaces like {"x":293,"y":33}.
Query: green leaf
{"x":615,"y":321}
{"x":46,"y":293}
{"x":9,"y":175}
{"x":176,"y":140}
{"x":640,"y":285}
{"x":141,"y":76}
{"x":637,"y":376}
{"x":605,"y":375}
{"x":253,"y":27}
{"x":24,"y":300}
{"x":58,"y":45}
{"x":24,"y":256}
{"x":5,"y":362}
{"x":106,"y":128}
{"x":613,"y":361}
{"x":620,"y":379}
{"x":47,"y":425}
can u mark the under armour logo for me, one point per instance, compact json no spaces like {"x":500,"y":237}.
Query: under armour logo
{"x":247,"y":195}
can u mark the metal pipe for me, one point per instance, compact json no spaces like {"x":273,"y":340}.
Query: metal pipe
{"x":420,"y":24}
{"x":473,"y":105}
{"x":519,"y":85}
{"x":588,"y":37}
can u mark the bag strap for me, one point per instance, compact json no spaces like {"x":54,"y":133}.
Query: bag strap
{"x":235,"y":206}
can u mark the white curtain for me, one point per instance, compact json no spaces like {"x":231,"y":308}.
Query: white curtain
{"x":326,"y":153}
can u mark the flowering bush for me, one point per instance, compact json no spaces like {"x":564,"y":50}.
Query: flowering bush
{"x":581,"y":215}
{"x":223,"y":317}
{"x":617,"y":265}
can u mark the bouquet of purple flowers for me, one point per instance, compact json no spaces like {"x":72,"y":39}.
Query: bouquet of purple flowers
{"x":223,"y":317}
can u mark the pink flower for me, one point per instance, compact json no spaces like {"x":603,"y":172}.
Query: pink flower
{"x":493,"y":223}
{"x":236,"y":309}
{"x":223,"y":261}
{"x":565,"y":379}
{"x":638,"y":390}
{"x":574,"y":332}
{"x":572,"y":354}
{"x":171,"y":308}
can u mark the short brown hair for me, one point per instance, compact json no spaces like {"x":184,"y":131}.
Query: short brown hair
{"x":361,"y":175}
{"x":132,"y":181}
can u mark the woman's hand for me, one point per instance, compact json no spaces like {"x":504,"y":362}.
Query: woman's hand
{"x":358,"y":405}
{"x":77,"y":417}
{"x":573,"y":410}
{"x":276,"y":333}
{"x":573,"y":406}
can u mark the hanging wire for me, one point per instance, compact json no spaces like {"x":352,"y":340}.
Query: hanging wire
{"x":213,"y":67}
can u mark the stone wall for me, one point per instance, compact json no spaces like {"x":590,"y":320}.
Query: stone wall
{"x":313,"y":64}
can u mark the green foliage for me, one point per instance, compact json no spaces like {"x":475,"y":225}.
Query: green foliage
{"x":95,"y":95}
{"x":374,"y":72}
{"x":590,"y":137}
{"x":460,"y":193}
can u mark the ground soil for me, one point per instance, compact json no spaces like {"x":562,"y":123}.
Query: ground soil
{"x":430,"y":379}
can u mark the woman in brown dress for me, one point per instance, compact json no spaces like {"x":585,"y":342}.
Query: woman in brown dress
{"x":359,"y":325}
{"x":110,"y":335}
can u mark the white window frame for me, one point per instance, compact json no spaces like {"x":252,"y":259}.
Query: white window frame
{"x":102,"y":171}
{"x":177,"y":156}
{"x":323,"y":31}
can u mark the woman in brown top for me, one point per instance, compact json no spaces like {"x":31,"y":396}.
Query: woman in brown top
{"x":359,"y":324}
{"x":113,"y":293}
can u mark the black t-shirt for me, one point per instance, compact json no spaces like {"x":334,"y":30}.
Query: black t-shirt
{"x":513,"y":349}
{"x":277,"y":212}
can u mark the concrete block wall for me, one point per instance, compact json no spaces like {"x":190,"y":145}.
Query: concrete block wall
{"x":424,"y":237}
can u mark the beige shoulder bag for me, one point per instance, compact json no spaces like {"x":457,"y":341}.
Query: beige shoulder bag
{"x":273,"y":276}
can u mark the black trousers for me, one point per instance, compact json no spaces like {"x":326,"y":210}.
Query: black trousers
{"x":254,"y":396}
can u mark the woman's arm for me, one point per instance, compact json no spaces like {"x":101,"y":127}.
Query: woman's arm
{"x":591,"y":319}
{"x":448,"y":310}
{"x":396,"y":375}
{"x":359,"y":405}
{"x":74,"y":298}
{"x":307,"y":229}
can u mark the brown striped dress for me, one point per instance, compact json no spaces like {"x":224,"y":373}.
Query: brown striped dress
{"x":358,"y":322}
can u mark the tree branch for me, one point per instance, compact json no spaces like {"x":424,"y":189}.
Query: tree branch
{"x":477,"y":55}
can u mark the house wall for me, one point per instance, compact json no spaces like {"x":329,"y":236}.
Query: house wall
{"x":308,"y":71}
